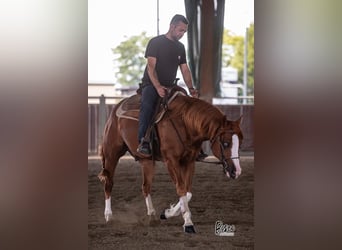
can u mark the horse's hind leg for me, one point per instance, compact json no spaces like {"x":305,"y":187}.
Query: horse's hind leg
{"x":109,"y":162}
{"x":106,"y":177}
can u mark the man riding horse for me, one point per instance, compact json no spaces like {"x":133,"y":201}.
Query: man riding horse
{"x":187,"y":123}
{"x":164,"y":54}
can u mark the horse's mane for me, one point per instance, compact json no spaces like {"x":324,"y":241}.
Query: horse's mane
{"x":197,"y":115}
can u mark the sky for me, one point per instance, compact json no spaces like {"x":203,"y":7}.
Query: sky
{"x":112,"y":21}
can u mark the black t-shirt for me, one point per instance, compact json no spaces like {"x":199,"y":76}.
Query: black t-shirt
{"x":169,"y":55}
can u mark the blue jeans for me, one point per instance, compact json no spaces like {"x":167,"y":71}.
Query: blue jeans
{"x":149,"y":101}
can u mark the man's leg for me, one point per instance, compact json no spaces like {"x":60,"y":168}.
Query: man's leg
{"x":149,"y":99}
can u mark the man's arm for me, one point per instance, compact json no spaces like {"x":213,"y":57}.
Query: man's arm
{"x":187,"y":79}
{"x":151,"y":70}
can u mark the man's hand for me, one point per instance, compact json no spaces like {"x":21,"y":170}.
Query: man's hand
{"x":161,"y":90}
{"x":193,"y":92}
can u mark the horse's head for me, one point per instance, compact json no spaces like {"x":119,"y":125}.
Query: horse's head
{"x":225,"y":146}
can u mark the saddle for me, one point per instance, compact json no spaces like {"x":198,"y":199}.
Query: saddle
{"x":130,"y":109}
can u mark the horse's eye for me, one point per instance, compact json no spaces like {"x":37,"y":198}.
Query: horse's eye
{"x":226,"y":144}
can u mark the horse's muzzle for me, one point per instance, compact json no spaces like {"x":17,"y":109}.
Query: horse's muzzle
{"x":229,"y":168}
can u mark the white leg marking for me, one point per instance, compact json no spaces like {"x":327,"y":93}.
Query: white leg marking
{"x":185,"y":211}
{"x":108,"y":210}
{"x":175,"y":210}
{"x":235,"y":153}
{"x":149,"y":205}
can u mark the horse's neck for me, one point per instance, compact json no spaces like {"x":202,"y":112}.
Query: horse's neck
{"x":204,"y":128}
{"x":207,"y":129}
{"x":200,"y":119}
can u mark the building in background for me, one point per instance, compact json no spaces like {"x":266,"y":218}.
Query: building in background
{"x":229,"y":87}
{"x":113,"y":92}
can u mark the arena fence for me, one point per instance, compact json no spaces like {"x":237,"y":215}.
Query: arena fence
{"x":99,"y":109}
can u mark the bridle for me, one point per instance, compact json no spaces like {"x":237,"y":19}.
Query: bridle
{"x":223,"y":160}
{"x":230,"y":169}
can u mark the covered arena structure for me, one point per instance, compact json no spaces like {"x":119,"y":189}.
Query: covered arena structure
{"x":215,"y":197}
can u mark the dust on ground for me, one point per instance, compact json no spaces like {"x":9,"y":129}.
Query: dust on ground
{"x":214,"y":198}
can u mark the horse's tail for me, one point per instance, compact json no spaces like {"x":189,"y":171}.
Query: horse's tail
{"x":106,"y":147}
{"x":106,"y":128}
{"x":102,"y":155}
{"x":104,"y":174}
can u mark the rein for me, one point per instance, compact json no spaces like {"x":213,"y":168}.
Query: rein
{"x":218,"y":162}
{"x":165,"y":100}
{"x":179,"y":137}
{"x":211,"y":162}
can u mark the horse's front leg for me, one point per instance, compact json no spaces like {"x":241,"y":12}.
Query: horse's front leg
{"x":188,"y":224}
{"x":182,"y":177}
{"x":183,"y":187}
{"x":174,"y":210}
{"x":148,"y":173}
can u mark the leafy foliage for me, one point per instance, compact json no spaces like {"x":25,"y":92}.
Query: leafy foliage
{"x":130,"y":59}
{"x":233,"y":55}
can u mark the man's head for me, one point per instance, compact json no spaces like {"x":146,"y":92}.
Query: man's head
{"x":179,"y":18}
{"x":178,"y":26}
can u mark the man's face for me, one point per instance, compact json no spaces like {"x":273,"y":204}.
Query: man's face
{"x":178,"y":30}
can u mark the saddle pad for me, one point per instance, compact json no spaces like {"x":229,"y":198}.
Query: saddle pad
{"x":129,"y":108}
{"x":131,"y":103}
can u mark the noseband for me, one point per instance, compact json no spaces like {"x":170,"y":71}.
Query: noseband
{"x":230,"y":169}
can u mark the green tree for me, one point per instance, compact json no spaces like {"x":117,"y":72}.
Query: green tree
{"x":250,"y":60}
{"x":233,"y":55}
{"x":130,"y":59}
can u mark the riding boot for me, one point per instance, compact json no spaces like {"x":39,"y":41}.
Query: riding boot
{"x":144,"y":148}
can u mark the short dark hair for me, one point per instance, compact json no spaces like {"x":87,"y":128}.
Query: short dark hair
{"x":179,"y":18}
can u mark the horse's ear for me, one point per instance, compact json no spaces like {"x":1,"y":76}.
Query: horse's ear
{"x":239,"y":121}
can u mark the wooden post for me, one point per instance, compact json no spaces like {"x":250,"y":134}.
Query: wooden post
{"x":102,"y":120}
{"x":207,"y":63}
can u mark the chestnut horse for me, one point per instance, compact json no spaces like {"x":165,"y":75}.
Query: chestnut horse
{"x":185,"y":125}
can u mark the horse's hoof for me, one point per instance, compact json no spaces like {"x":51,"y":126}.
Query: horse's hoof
{"x":108,"y":217}
{"x":189,"y":229}
{"x":162,"y":215}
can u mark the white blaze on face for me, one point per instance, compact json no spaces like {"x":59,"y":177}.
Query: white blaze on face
{"x":235,"y":153}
